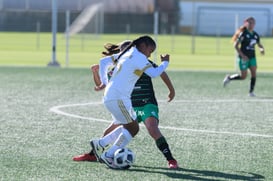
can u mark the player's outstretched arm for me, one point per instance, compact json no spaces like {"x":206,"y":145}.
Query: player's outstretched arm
{"x":157,"y":71}
{"x":164,"y":76}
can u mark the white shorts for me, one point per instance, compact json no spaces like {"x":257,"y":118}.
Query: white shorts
{"x":121,"y":110}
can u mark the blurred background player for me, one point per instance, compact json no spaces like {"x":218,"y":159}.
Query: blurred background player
{"x":245,"y":39}
{"x":143,"y":101}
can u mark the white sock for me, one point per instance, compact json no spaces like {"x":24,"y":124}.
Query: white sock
{"x":111,"y":137}
{"x":123,"y":139}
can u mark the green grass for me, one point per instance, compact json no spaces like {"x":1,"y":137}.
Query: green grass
{"x":214,"y":133}
{"x":210,"y":53}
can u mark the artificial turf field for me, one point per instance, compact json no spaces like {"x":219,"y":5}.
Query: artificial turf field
{"x":48,"y":115}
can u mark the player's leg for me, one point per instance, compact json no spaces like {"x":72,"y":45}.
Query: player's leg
{"x":243,"y":65}
{"x":99,"y":145}
{"x":253,"y":70}
{"x":128,"y":131}
{"x":252,"y":81}
{"x":122,"y":113}
{"x":110,"y":133}
{"x":121,"y":141}
{"x":91,"y":156}
{"x":151,"y":122}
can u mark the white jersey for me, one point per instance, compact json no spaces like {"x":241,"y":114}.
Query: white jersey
{"x":129,"y":68}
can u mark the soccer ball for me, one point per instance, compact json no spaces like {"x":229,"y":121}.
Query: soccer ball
{"x":124,"y":158}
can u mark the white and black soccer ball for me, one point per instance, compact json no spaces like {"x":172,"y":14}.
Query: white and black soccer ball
{"x":124,"y":158}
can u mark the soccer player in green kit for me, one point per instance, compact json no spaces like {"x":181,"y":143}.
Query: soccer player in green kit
{"x":145,"y":105}
{"x":245,"y":40}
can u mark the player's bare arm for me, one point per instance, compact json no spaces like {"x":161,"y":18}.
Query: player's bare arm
{"x":164,"y":76}
{"x":237,"y":48}
{"x":95,"y":71}
{"x":261,"y":47}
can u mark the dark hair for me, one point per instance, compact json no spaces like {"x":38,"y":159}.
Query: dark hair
{"x":110,"y":49}
{"x":124,"y":44}
{"x":115,"y":48}
{"x":242,"y":28}
{"x":147,"y":40}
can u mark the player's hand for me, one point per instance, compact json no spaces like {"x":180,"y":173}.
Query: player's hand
{"x":262,"y":51}
{"x":95,"y":68}
{"x":245,"y":58}
{"x":165,"y":57}
{"x":100,"y":87}
{"x":171,"y":96}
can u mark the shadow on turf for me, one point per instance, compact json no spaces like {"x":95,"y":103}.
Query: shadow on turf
{"x":193,"y":174}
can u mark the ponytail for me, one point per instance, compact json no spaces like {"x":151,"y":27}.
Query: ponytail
{"x":110,"y":49}
{"x":238,"y":32}
{"x":125,"y":50}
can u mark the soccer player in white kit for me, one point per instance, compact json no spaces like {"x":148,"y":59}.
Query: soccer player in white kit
{"x":130,"y":64}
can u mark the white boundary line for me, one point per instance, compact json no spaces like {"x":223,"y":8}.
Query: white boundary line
{"x":57,"y":110}
{"x":224,"y":100}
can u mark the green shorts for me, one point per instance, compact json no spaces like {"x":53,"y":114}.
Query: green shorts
{"x":244,"y":65}
{"x":149,"y":110}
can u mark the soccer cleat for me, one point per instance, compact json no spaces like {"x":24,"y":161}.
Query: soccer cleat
{"x":85,"y":157}
{"x":226,"y":80}
{"x":97,"y":149}
{"x":108,"y":161}
{"x":251,"y":94}
{"x":172,"y":164}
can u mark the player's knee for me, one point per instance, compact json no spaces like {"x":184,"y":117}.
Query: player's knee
{"x":243,"y":77}
{"x":136,"y":129}
{"x":133,"y":128}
